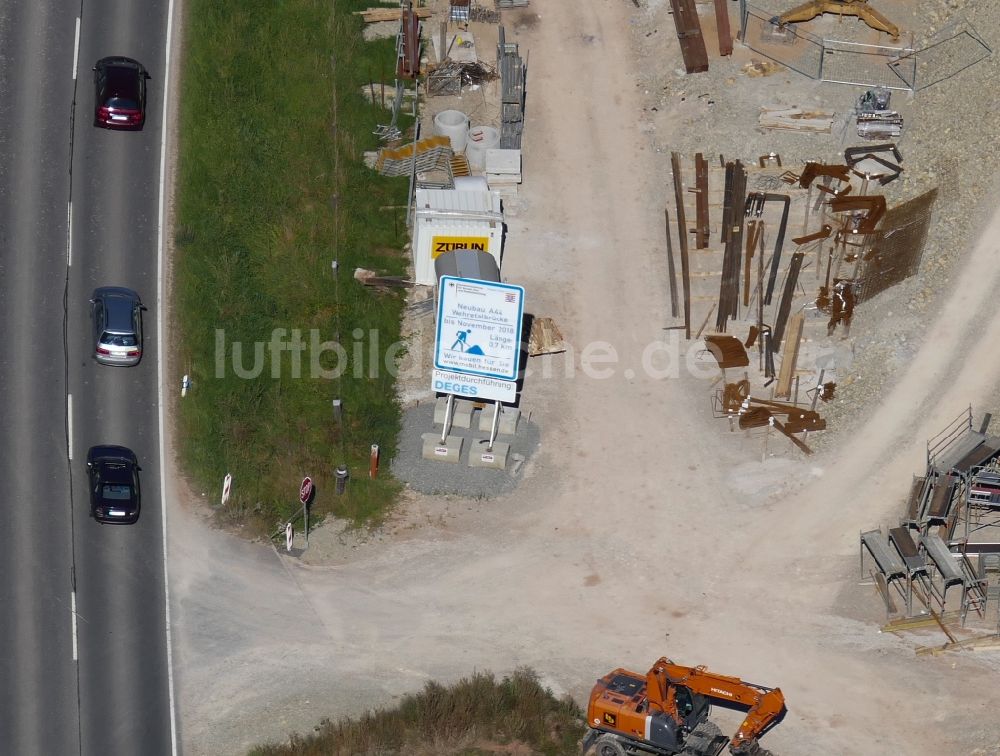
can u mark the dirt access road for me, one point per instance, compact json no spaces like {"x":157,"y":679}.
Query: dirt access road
{"x":641,"y":529}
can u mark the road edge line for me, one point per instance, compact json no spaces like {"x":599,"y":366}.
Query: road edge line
{"x":164,"y":133}
{"x":69,"y":426}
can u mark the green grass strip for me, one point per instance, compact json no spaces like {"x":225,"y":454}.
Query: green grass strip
{"x":271,"y":190}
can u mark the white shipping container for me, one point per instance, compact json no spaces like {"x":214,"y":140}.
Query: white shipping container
{"x":450,"y":219}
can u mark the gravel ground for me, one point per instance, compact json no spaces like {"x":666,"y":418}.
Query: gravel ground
{"x":948,"y":142}
{"x":431,"y":477}
{"x":540,"y":577}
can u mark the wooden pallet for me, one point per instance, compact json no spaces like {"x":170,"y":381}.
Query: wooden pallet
{"x":545,"y":338}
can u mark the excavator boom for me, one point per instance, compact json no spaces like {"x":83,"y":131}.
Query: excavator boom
{"x":765,"y":705}
{"x":858,"y":8}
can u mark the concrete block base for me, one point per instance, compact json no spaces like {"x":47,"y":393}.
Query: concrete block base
{"x":461,"y":416}
{"x":449,"y":451}
{"x":509,"y":417}
{"x":497,"y":459}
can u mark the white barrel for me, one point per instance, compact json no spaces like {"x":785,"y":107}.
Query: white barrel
{"x":481,"y":138}
{"x":453,"y":124}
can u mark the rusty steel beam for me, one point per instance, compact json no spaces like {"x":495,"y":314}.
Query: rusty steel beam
{"x":787,"y":295}
{"x":729,"y":285}
{"x":408,"y":62}
{"x":823,"y":233}
{"x":754,"y":236}
{"x":722,"y":26}
{"x":701,"y":201}
{"x":689,"y":35}
{"x":789,"y":434}
{"x":671,"y":269}
{"x":675,"y":164}
{"x":812,"y":170}
{"x":778,"y":242}
{"x":727,"y":202}
{"x":873,"y":206}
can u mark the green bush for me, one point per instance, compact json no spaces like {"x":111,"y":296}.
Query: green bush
{"x":476,"y":715}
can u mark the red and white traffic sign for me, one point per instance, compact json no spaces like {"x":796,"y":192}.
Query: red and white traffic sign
{"x":227,"y":486}
{"x":306,"y":490}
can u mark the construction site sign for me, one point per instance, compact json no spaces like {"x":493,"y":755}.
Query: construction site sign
{"x":479,"y":328}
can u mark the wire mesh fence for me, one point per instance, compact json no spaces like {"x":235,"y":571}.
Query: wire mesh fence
{"x":906,"y":67}
{"x":867,"y":65}
{"x":789,"y":45}
{"x":949,"y":53}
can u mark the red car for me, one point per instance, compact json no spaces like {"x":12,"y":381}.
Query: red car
{"x":120,"y":93}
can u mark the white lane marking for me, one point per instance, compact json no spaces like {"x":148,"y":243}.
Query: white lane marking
{"x":69,"y":425}
{"x":72,"y":609}
{"x":76,"y":48}
{"x":69,"y":234}
{"x":161,"y":217}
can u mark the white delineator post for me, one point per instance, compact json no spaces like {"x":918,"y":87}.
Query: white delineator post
{"x":227,"y":486}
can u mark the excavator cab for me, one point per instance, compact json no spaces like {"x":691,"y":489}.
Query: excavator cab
{"x":619,"y":706}
{"x":692,"y":708}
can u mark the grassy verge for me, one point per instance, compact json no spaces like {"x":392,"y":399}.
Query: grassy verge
{"x":271,"y":191}
{"x":477,"y":715}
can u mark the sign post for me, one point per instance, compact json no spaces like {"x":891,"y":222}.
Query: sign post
{"x":227,"y":487}
{"x":477,"y":355}
{"x":305,"y":496}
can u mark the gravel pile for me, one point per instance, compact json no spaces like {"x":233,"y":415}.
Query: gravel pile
{"x":439,"y":478}
{"x":949,"y":141}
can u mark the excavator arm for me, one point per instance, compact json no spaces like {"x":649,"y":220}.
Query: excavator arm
{"x":859,"y":8}
{"x":764,"y":705}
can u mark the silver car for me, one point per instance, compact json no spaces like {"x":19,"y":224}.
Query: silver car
{"x":116,"y":313}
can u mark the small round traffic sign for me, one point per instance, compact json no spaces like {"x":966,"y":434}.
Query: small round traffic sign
{"x":305,"y":490}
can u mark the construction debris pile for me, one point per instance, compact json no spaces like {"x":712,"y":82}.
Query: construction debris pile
{"x":786,"y":305}
{"x":452,"y":76}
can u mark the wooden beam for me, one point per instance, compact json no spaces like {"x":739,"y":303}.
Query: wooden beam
{"x":790,"y":356}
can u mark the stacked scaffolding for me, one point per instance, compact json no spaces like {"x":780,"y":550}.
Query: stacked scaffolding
{"x":952,"y":518}
{"x":513,"y":74}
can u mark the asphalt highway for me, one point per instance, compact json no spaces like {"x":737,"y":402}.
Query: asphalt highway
{"x":83,"y":646}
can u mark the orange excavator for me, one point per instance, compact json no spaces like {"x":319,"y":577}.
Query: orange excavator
{"x":664,"y":712}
